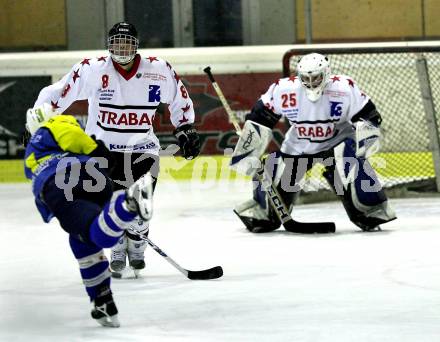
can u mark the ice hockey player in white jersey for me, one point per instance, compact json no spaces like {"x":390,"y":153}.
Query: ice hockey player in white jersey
{"x":123,"y":92}
{"x":332,"y":123}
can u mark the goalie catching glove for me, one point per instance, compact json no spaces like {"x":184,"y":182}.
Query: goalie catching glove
{"x":189,"y":141}
{"x":367,"y":138}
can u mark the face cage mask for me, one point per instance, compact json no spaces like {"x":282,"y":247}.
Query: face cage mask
{"x":314,"y":85}
{"x":122,"y":48}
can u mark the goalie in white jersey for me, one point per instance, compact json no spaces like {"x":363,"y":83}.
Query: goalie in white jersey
{"x":333,"y":123}
{"x":123,"y":92}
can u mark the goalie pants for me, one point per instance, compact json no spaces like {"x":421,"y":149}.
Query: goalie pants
{"x":94,"y":220}
{"x":361,"y":194}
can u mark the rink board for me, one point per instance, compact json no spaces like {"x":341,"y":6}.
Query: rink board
{"x":387,"y":165}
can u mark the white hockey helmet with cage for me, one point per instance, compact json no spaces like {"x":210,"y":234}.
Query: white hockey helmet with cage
{"x":122,"y":42}
{"x":313,"y":71}
{"x":36,"y":117}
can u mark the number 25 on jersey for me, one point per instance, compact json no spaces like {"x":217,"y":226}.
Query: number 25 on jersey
{"x":289,"y":100}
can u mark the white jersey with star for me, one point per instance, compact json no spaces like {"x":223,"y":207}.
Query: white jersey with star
{"x":122,"y":104}
{"x":315,"y":126}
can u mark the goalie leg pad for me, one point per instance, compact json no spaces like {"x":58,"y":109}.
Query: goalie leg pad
{"x":366,"y":217}
{"x":255,"y":219}
{"x":274,"y":167}
{"x":257,"y":214}
{"x":363,"y":197}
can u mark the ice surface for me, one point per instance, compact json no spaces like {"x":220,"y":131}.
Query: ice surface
{"x":348,"y":286}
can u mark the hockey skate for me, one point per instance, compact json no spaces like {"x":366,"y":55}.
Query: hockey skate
{"x":138,"y":198}
{"x":136,"y":251}
{"x":135,"y":246}
{"x":118,"y":257}
{"x":104,"y":308}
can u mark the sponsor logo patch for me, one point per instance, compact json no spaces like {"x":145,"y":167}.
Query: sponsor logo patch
{"x":335,"y":109}
{"x":154,"y":77}
{"x":154,"y":93}
{"x":137,"y":147}
{"x":122,"y":118}
{"x":315,"y":132}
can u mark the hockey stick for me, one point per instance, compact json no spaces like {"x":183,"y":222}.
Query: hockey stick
{"x":210,"y":273}
{"x":286,"y":219}
{"x":274,"y":197}
{"x":222,"y":98}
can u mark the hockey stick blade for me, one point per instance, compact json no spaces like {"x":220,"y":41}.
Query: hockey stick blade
{"x":287,"y":221}
{"x":309,"y":227}
{"x":211,"y":273}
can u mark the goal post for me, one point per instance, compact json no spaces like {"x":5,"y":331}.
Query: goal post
{"x":429,"y":107}
{"x":403,"y":80}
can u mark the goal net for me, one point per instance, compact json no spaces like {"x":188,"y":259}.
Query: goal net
{"x":403,"y":80}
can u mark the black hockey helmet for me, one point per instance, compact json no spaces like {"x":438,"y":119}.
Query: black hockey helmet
{"x":123,"y":42}
{"x":123,"y":28}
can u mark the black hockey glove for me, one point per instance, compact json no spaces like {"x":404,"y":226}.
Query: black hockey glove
{"x":102,"y":151}
{"x":189,"y":141}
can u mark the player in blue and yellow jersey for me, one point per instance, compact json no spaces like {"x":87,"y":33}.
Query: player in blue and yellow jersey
{"x":69,"y":180}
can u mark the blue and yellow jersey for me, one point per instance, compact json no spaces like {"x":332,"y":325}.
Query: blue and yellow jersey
{"x":61,"y":136}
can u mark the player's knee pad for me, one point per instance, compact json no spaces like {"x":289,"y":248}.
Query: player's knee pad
{"x":356,"y":182}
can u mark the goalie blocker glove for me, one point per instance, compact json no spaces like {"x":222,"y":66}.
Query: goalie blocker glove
{"x":189,"y":141}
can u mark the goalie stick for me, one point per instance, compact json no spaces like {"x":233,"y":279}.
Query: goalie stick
{"x":210,"y":273}
{"x":222,"y":98}
{"x":275,"y":199}
{"x":286,"y":219}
